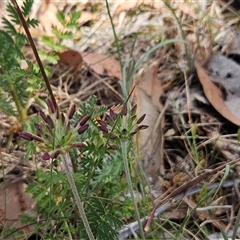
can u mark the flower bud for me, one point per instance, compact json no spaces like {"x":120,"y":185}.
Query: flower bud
{"x":108,"y":119}
{"x":124,"y":110}
{"x":57,"y":113}
{"x":83,"y":128}
{"x":103,"y":128}
{"x":79,"y":145}
{"x":50,"y":122}
{"x":102,"y":123}
{"x":141,"y":119}
{"x":62,"y":118}
{"x":43,"y":116}
{"x":46,"y":156}
{"x":72,"y":111}
{"x":84,"y":120}
{"x":30,"y":137}
{"x":55,"y":154}
{"x":51,"y":106}
{"x":112,"y":115}
{"x":25,"y":135}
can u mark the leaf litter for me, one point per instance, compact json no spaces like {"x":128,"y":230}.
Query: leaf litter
{"x":192,"y":113}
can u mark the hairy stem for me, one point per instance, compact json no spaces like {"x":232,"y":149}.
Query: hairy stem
{"x":130,"y":186}
{"x":65,"y":159}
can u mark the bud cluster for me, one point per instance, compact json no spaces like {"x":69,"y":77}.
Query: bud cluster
{"x":56,"y":133}
{"x":130,"y":124}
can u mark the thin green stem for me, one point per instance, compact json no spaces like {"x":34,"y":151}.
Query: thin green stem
{"x":67,"y":227}
{"x":65,"y":159}
{"x":129,"y":181}
{"x":190,"y":63}
{"x":114,"y":33}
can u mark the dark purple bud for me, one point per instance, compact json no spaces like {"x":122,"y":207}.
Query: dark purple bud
{"x":25,"y":135}
{"x":51,"y":106}
{"x":38,"y":139}
{"x":62,"y":118}
{"x":30,"y":137}
{"x":113,"y":115}
{"x":103,"y":128}
{"x":79,"y":145}
{"x":72,"y":111}
{"x":43,"y":116}
{"x":57,"y":114}
{"x":124,"y":110}
{"x":84,"y":120}
{"x":46,"y":156}
{"x":50,"y":122}
{"x":55,"y":154}
{"x":83,"y":128}
{"x":102,"y":123}
{"x":141,"y":119}
{"x":142,"y":127}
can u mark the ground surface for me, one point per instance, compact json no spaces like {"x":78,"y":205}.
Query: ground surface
{"x":191,"y":131}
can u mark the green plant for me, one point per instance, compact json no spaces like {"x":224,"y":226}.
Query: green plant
{"x":59,"y":135}
{"x":55,"y":43}
{"x":91,"y":151}
{"x":93,"y":172}
{"x":17,"y":85}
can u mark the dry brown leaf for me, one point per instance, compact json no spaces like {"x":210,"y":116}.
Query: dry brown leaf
{"x":186,"y":8}
{"x":146,"y":95}
{"x":17,"y":202}
{"x":87,"y":16}
{"x":214,"y":95}
{"x":102,"y":64}
{"x":70,"y":58}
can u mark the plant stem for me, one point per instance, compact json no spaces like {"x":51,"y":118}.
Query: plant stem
{"x":129,"y":181}
{"x":67,"y":227}
{"x":79,"y":203}
{"x":115,"y":35}
{"x":24,"y":24}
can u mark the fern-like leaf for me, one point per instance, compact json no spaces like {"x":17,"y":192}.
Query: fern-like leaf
{"x":6,"y":105}
{"x":13,"y":14}
{"x":10,"y":52}
{"x":103,"y":224}
{"x":27,"y":6}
